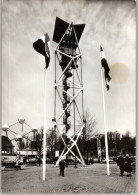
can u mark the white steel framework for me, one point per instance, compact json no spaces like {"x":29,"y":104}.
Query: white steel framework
{"x":69,"y":121}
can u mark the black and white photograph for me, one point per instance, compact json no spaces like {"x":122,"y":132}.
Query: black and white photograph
{"x":68,"y":96}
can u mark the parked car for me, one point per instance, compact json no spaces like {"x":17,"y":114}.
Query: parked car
{"x":111,"y":160}
{"x":72,"y":161}
{"x":31,"y":160}
{"x":49,"y":161}
{"x":6,"y":162}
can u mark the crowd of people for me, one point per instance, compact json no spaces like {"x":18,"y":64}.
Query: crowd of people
{"x":124,"y":164}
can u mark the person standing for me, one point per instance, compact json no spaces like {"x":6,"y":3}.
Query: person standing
{"x":39,"y":161}
{"x":91,"y":161}
{"x":24,"y":159}
{"x":62,"y":167}
{"x":120,"y":163}
{"x":128,"y":168}
{"x":17,"y":161}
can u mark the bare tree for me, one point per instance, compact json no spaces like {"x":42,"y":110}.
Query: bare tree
{"x":51,"y":142}
{"x":88,"y":133}
{"x":90,"y":124}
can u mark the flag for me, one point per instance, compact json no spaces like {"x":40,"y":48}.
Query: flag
{"x":42,"y":47}
{"x":106,"y":68}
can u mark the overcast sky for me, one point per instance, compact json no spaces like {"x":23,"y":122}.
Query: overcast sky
{"x":112,"y":23}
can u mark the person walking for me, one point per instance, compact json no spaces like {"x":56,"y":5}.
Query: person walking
{"x":120,"y":163}
{"x":62,"y":167}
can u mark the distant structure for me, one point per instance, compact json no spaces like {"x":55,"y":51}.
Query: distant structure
{"x":68,"y":87}
{"x":99,"y":150}
{"x":20,"y":147}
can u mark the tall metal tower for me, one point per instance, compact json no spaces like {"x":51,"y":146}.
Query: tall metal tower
{"x":68,"y":109}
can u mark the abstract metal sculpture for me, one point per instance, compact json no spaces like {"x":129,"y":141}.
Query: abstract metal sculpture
{"x":18,"y":137}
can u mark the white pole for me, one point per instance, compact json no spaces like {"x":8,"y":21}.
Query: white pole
{"x":44,"y":135}
{"x":105,"y":129}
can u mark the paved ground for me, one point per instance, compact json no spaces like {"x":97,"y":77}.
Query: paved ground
{"x":90,"y":179}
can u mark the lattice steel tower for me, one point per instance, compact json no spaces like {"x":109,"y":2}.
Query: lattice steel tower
{"x":68,"y":108}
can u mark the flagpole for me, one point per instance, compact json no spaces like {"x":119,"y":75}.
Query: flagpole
{"x":42,"y":46}
{"x":44,"y":135}
{"x":105,"y":127}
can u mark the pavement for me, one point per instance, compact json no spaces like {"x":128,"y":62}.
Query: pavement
{"x":89,"y":179}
